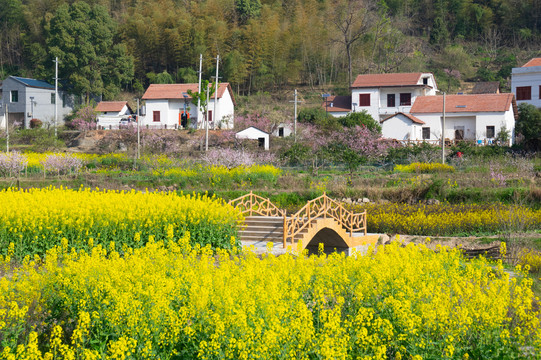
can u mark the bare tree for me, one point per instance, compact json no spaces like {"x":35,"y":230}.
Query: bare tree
{"x":353,"y":19}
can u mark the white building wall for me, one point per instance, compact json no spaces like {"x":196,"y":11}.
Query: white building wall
{"x":373,"y":109}
{"x":399,"y":127}
{"x":498,"y":120}
{"x":527,"y":76}
{"x":253,"y":134}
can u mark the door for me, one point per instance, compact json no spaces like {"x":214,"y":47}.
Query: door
{"x":459,"y":132}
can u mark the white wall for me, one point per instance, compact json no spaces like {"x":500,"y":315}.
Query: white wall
{"x":476,"y":123}
{"x":373,"y":109}
{"x":253,"y":134}
{"x":171,"y":109}
{"x":339,"y":113}
{"x":399,"y":127}
{"x":527,"y":76}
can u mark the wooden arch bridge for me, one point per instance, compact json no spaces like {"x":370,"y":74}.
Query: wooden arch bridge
{"x":321,"y":220}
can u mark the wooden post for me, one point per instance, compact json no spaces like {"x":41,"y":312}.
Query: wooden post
{"x":285,"y":232}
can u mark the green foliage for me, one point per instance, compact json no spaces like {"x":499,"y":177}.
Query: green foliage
{"x":82,"y":37}
{"x":202,"y":96}
{"x":187,"y":76}
{"x":248,"y":9}
{"x":529,"y":125}
{"x":296,"y":154}
{"x":469,"y":148}
{"x":162,"y":78}
{"x":362,"y":118}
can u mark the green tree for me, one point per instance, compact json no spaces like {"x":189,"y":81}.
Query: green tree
{"x":201,"y":97}
{"x":187,"y":75}
{"x":82,"y":37}
{"x":162,"y":78}
{"x":529,"y":125}
{"x":362,"y":118}
{"x":247,"y":9}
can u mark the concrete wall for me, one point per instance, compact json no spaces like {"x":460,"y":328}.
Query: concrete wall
{"x":170,"y":109}
{"x":474,"y":124}
{"x":528,"y":76}
{"x":254,"y":134}
{"x":43,"y":108}
{"x":399,"y":127}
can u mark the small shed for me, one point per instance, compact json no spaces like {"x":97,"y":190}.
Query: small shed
{"x":283,"y":130}
{"x":254,"y":133}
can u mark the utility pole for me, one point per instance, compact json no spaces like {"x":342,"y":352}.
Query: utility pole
{"x":295,"y":118}
{"x":7,"y":129}
{"x":138,"y":133}
{"x":207,"y":121}
{"x":216,"y":92}
{"x":199,"y":88}
{"x":443,"y":133}
{"x":55,"y":95}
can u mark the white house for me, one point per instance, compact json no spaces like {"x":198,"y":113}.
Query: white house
{"x":254,"y":133}
{"x":467,"y":117}
{"x":26,"y":99}
{"x":166,"y":104}
{"x":402,"y":126}
{"x":284,"y":130}
{"x":110,"y":113}
{"x":526,"y":82}
{"x":383,"y":95}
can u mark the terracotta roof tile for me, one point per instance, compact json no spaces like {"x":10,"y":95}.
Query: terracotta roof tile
{"x":533,"y":62}
{"x":339,"y":104}
{"x":463,"y":103}
{"x":106,"y":106}
{"x":387,"y":80}
{"x":175,"y":91}
{"x":409,"y":116}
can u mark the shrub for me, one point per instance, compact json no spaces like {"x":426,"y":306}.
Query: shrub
{"x":35,"y":123}
{"x":424,"y":168}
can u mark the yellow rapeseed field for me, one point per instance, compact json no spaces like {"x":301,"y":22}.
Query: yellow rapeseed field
{"x":174,"y":302}
{"x":35,"y":220}
{"x":450,"y":219}
{"x":424,"y":168}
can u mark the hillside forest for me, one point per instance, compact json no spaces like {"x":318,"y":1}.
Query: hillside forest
{"x":109,"y":46}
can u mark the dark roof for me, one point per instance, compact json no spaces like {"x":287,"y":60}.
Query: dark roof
{"x":339,"y":103}
{"x":488,"y":87}
{"x":34,"y":83}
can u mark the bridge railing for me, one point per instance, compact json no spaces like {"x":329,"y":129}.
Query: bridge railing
{"x":251,"y":204}
{"x":323,"y":207}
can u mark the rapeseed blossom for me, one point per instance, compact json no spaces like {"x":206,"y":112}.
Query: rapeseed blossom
{"x":35,"y":220}
{"x":176,"y":301}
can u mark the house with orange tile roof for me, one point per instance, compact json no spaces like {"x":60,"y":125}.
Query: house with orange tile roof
{"x":165,"y":105}
{"x":526,"y":82}
{"x":111,"y":113}
{"x":383,"y":95}
{"x":478,"y":117}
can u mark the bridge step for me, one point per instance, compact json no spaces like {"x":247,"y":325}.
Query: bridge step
{"x":262,"y":228}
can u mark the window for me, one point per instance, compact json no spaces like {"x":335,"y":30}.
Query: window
{"x":490,"y":132}
{"x":209,"y":115}
{"x":405,"y":99}
{"x":524,"y":93}
{"x":390,"y":100}
{"x":53,"y":98}
{"x":540,"y":91}
{"x":156,"y":116}
{"x":281,"y":132}
{"x":64,"y":100}
{"x":425,"y":81}
{"x":426,"y":133}
{"x":14,"y":96}
{"x":364,"y":99}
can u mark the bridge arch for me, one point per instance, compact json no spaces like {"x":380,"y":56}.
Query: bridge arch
{"x":331,"y":240}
